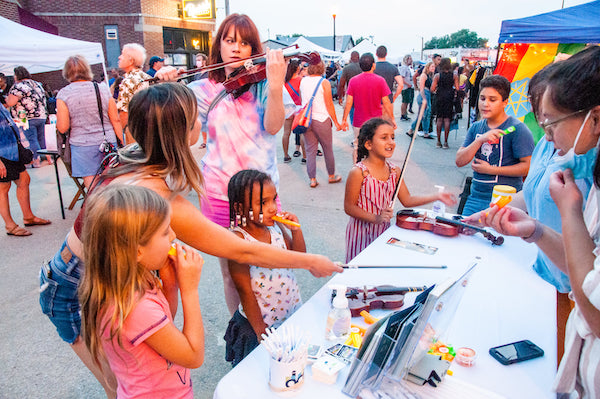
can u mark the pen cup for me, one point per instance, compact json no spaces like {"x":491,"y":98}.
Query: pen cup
{"x":503,"y":191}
{"x":286,"y":376}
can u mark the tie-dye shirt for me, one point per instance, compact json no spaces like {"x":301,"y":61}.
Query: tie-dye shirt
{"x":237,"y":138}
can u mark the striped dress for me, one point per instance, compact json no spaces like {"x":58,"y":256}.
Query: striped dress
{"x":374,"y":196}
{"x":579,"y":368}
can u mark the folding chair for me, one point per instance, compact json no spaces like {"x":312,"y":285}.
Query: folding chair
{"x":464,"y":195}
{"x":81,"y":192}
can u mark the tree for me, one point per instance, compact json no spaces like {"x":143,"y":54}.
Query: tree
{"x":462,"y":38}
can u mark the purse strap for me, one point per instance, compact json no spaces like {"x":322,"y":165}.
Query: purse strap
{"x":11,"y":124}
{"x":100,"y":107}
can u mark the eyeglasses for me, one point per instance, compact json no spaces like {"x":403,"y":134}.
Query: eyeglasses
{"x":546,"y":124}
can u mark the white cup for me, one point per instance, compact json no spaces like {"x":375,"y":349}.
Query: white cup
{"x":286,"y":376}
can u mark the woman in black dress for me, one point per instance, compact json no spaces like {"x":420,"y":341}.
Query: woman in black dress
{"x":446,"y":84}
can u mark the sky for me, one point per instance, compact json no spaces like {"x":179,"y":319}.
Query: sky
{"x":397,"y":24}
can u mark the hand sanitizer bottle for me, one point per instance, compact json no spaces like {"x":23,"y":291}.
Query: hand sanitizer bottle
{"x":338,"y":319}
{"x":439,"y":208}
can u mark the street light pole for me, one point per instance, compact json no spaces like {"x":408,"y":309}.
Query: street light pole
{"x":333,"y":32}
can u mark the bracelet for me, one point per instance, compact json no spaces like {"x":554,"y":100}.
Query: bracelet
{"x":537,"y":233}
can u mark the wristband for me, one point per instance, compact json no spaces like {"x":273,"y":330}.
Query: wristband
{"x":537,"y":233}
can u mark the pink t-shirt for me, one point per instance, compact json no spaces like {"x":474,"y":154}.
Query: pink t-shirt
{"x":141,"y":372}
{"x":367,"y":90}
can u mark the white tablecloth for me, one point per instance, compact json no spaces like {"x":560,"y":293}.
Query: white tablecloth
{"x":505,"y":302}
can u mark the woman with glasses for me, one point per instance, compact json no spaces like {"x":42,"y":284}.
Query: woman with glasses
{"x":568,"y":108}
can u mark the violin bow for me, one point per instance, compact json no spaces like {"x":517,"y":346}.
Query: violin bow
{"x":405,"y":164}
{"x":347,"y":266}
{"x":214,"y":67}
{"x":495,"y":240}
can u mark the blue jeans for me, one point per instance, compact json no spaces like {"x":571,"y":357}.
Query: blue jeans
{"x":59,"y":280}
{"x":36,"y":135}
{"x":426,"y":115}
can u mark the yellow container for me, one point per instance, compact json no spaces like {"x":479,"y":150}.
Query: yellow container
{"x":501,"y":190}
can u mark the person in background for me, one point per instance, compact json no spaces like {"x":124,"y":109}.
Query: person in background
{"x":6,"y":83}
{"x":407,"y":90}
{"x":27,"y":97}
{"x":131,"y":60}
{"x":77,"y":106}
{"x":114,"y":74}
{"x":445,"y":85}
{"x":349,"y":71}
{"x":201,"y":62}
{"x":424,"y":101}
{"x":155,"y":64}
{"x":369,"y":95}
{"x":320,"y":130}
{"x":388,"y":71}
{"x":12,"y":169}
{"x":292,"y":84}
{"x":497,"y":158}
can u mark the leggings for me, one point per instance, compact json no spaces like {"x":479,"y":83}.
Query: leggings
{"x":319,"y":132}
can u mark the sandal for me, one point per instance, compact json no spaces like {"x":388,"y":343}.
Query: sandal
{"x":297,"y":153}
{"x":446,"y":146}
{"x":36,"y":221}
{"x":313,"y":183}
{"x":438,"y":145}
{"x":202,"y":146}
{"x":287,"y":159}
{"x":335,"y":179}
{"x":18,"y":232}
{"x":319,"y":153}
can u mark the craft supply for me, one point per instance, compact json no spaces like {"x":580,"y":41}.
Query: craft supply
{"x":438,"y":207}
{"x":288,"y":349}
{"x":379,"y":297}
{"x":285,"y":221}
{"x":368,"y":318}
{"x":344,"y":353}
{"x":338,"y":319}
{"x":465,"y":357}
{"x":506,"y":131}
{"x":413,"y":246}
{"x":502,"y":192}
{"x":327,"y":368}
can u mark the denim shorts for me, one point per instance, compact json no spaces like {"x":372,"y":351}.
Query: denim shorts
{"x":59,"y":280}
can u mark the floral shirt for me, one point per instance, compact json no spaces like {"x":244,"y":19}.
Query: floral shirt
{"x":132,"y":83}
{"x":276,"y":290}
{"x":32,"y":99}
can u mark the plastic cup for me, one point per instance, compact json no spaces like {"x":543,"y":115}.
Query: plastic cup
{"x":500,"y":191}
{"x":286,"y":376}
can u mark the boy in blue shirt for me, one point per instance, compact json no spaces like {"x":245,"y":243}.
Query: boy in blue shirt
{"x":497,"y":158}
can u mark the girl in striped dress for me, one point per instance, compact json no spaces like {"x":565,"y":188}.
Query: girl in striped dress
{"x":371,"y":184}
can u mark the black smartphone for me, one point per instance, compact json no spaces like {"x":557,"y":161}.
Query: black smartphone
{"x":516,"y":352}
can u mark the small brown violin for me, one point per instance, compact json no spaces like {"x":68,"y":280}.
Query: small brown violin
{"x":413,"y":220}
{"x":379,"y":297}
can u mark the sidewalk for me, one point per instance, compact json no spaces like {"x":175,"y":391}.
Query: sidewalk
{"x":35,"y":363}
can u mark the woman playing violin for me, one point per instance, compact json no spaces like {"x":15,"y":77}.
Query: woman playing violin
{"x":241,"y":131}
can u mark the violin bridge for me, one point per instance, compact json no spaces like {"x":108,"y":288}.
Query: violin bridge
{"x":248,"y":64}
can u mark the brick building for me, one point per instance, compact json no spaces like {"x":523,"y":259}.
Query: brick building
{"x":161,"y":26}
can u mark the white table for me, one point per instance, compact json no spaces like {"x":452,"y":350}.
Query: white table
{"x":505,"y":302}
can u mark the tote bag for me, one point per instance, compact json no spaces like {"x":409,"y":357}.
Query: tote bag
{"x":303,"y":118}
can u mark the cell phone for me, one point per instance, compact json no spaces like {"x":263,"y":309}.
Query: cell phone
{"x":516,"y":352}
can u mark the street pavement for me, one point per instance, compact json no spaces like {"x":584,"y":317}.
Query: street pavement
{"x":35,"y":363}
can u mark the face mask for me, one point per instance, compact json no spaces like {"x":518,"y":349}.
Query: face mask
{"x":567,"y":161}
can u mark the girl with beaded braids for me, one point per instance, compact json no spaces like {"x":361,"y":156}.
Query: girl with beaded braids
{"x":268,"y":296}
{"x":370,"y":187}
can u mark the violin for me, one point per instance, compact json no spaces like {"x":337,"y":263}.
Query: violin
{"x":379,"y":297}
{"x":254,"y":71}
{"x":413,"y":220}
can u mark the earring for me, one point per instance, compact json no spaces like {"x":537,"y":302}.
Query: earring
{"x":251,"y":214}
{"x":238,"y":219}
{"x":231,"y":224}
{"x":260,"y":217}
{"x":244,"y":224}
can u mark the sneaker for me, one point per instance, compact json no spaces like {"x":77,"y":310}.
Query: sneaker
{"x":287,"y":159}
{"x":410,"y":111}
{"x":409,"y":133}
{"x":420,"y":133}
{"x":438,"y":145}
{"x":319,"y":153}
{"x":446,"y":146}
{"x":297,"y":154}
{"x":404,"y":118}
{"x":303,"y":162}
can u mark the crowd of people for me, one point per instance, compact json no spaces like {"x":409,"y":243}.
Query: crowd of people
{"x":112,"y":288}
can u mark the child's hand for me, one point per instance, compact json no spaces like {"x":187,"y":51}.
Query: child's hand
{"x":292,"y":218}
{"x":481,"y":166}
{"x":447,"y":198}
{"x":385,"y":216}
{"x":188,"y":266}
{"x":168,"y":273}
{"x":492,"y":137}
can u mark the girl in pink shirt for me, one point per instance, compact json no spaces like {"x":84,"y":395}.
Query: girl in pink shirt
{"x":129,"y":294}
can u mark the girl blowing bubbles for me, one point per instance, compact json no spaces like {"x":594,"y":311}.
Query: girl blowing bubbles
{"x":127,"y":312}
{"x":370,"y":187}
{"x":268,"y":296}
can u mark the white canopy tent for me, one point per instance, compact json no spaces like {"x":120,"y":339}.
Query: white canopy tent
{"x":364,"y":46}
{"x":40,"y":51}
{"x":305,"y":45}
